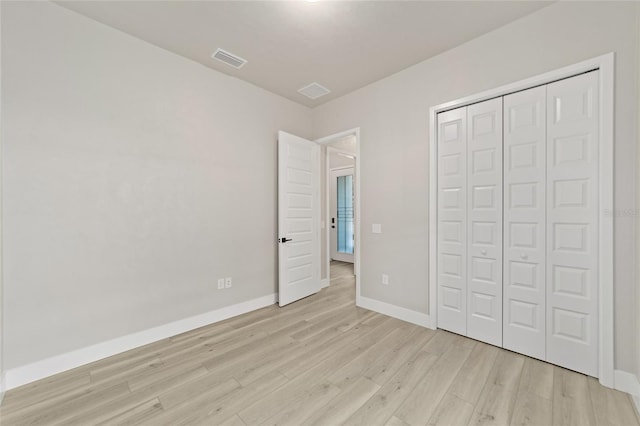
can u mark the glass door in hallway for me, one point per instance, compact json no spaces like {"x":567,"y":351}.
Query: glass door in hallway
{"x":342,"y":214}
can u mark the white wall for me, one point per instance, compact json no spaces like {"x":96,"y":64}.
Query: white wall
{"x":2,"y":381}
{"x":637,"y":309}
{"x":393,"y":117}
{"x":134,"y":178}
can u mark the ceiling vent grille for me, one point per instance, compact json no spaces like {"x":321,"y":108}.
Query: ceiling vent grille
{"x":229,"y":58}
{"x":314,"y":91}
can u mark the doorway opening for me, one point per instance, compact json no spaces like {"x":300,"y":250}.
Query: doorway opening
{"x":340,"y":222}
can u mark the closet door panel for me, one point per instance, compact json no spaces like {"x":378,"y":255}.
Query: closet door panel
{"x":484,"y":201}
{"x":572,"y":223}
{"x":452,"y":220}
{"x":524,"y":222}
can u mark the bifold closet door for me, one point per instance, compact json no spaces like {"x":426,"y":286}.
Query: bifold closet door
{"x":484,"y":222}
{"x":572,"y":223}
{"x":525,"y":137}
{"x":452,"y":220}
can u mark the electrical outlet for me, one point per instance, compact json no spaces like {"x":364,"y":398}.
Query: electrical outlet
{"x":220,"y":283}
{"x":227,"y":282}
{"x":385,"y":279}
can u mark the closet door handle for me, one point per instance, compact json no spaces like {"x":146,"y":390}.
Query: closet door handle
{"x":484,"y":252}
{"x":523,"y":256}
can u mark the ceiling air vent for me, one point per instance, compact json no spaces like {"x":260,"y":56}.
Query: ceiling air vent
{"x":314,"y":91}
{"x":229,"y":58}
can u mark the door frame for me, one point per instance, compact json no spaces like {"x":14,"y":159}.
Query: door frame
{"x":357,"y":229}
{"x":605,"y":64}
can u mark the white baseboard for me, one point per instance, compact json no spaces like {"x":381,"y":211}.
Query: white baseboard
{"x":324,"y":283}
{"x":394,"y":311}
{"x":2,"y":382}
{"x":47,"y":367}
{"x":629,"y":383}
{"x":636,"y":401}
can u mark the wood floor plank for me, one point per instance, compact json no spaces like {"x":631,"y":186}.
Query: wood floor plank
{"x":375,"y":354}
{"x":145,"y":364}
{"x":183,"y":410}
{"x":346,"y":346}
{"x":232,"y":421}
{"x":610,"y":407}
{"x":394,"y":421}
{"x":381,"y":406}
{"x":135,"y":416}
{"x":59,"y":412}
{"x":327,"y":319}
{"x":534,"y":398}
{"x":344,"y":404}
{"x":142,"y":394}
{"x":388,"y":364}
{"x":285,"y":403}
{"x":420,"y":405}
{"x":220,"y":410}
{"x":473,"y":375}
{"x":294,"y":414}
{"x":496,"y":403}
{"x":571,"y":399}
{"x":46,"y":391}
{"x":452,"y":411}
{"x":330,"y":335}
{"x":194,"y":389}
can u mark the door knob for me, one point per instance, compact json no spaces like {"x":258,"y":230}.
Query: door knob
{"x":523,"y":256}
{"x":284,"y":240}
{"x":484,"y":252}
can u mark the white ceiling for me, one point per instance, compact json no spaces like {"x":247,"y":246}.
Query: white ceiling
{"x":343,"y":45}
{"x":346,"y":144}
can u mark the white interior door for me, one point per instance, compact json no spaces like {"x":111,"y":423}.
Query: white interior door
{"x":342,"y":220}
{"x":452,"y":220}
{"x":572,"y":223}
{"x":298,"y":218}
{"x":484,"y":222}
{"x":525,"y":137}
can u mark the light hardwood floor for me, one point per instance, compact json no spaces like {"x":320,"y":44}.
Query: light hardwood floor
{"x":318,"y":361}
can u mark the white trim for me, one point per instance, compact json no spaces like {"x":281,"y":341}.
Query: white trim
{"x":324,"y":283}
{"x":47,"y":367}
{"x":3,"y":380}
{"x":605,"y":237}
{"x":334,"y":169}
{"x":605,"y":64}
{"x":629,"y":383}
{"x":397,"y":312}
{"x":356,"y":266}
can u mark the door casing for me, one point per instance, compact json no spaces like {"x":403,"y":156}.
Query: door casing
{"x":356,"y":259}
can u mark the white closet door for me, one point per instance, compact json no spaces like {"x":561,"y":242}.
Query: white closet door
{"x":484,"y":200}
{"x":572,"y":223}
{"x":525,"y":136}
{"x":452,"y":216}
